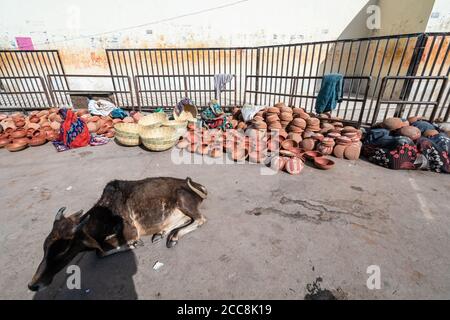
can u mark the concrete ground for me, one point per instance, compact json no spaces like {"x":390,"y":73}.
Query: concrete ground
{"x":267,"y":237}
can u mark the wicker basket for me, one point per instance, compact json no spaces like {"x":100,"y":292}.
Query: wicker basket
{"x":127,"y":134}
{"x":179,"y":126}
{"x":159,"y":139}
{"x":153,"y":120}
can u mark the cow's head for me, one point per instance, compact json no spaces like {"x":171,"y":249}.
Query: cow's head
{"x":63,"y":243}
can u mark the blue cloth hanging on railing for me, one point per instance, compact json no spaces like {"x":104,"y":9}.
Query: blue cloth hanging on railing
{"x":331,"y":92}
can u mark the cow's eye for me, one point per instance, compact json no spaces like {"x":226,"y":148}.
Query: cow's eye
{"x":58,"y":247}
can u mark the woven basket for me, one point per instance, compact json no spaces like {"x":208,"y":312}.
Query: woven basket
{"x":159,"y":139}
{"x":189,"y":112}
{"x":153,"y":120}
{"x":127,"y":134}
{"x":179,"y":126}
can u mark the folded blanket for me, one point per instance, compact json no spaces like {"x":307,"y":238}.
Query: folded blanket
{"x":331,"y":93}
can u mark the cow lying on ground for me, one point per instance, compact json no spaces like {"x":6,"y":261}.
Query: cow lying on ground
{"x":126,"y":211}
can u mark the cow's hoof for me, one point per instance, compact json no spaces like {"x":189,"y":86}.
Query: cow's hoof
{"x":171,"y":243}
{"x":157,"y":237}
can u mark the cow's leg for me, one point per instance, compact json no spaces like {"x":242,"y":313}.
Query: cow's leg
{"x":189,"y":206}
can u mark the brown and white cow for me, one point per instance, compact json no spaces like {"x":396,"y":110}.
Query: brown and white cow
{"x":126,"y":211}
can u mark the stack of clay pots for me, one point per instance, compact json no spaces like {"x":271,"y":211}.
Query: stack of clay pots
{"x":20,"y":131}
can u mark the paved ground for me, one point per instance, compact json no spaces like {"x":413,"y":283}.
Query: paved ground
{"x":266,"y":237}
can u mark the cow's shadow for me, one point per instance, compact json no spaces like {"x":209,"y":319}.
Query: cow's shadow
{"x":105,"y":278}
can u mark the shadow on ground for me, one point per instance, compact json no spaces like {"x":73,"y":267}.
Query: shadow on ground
{"x":106,"y":278}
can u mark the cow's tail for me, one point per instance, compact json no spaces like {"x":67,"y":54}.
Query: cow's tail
{"x":197,"y":188}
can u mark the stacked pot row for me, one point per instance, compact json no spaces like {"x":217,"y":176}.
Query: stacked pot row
{"x":18,"y":131}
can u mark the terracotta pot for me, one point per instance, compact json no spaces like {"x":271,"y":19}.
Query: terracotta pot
{"x":215,"y":152}
{"x":323,"y":163}
{"x":30,"y":132}
{"x":287,"y":144}
{"x":16,"y":146}
{"x":55,"y":125}
{"x":352,"y":152}
{"x":4,"y":142}
{"x":411,"y":132}
{"x":203,"y":149}
{"x":128,"y":120}
{"x":92,"y":127}
{"x":393,"y":123}
{"x":37,"y":141}
{"x":339,"y":151}
{"x":311,"y":155}
{"x":51,"y":135}
{"x":80,"y":112}
{"x":324,"y":149}
{"x":238,"y":153}
{"x":19,"y":133}
{"x":273,"y":110}
{"x":430,"y":133}
{"x":34,"y":119}
{"x":277,"y":163}
{"x":308,"y":144}
{"x":256,"y":156}
{"x":104,"y":129}
{"x":20,"y":123}
{"x":294,"y":166}
{"x":43,"y":113}
{"x":3,"y":116}
{"x":192,"y":147}
{"x":110,"y":134}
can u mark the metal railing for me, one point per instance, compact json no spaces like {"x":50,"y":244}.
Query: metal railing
{"x":292,"y":94}
{"x":61,"y":91}
{"x":15,"y":97}
{"x":411,"y":55}
{"x":18,"y":65}
{"x":410,"y":105}
{"x":152,"y":92}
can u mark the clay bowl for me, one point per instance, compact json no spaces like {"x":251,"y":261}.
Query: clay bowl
{"x":311,"y":155}
{"x":16,"y":146}
{"x":430,"y":133}
{"x":288,"y":143}
{"x":34,"y":119}
{"x":323,"y":163}
{"x":4,"y":142}
{"x":51,"y":135}
{"x":37,"y":141}
{"x":19,"y":133}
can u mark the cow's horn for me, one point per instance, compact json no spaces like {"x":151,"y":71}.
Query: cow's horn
{"x":60,"y":213}
{"x":78,"y":213}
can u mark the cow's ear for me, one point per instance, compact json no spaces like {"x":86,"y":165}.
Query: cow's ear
{"x":84,"y":219}
{"x":90,"y":242}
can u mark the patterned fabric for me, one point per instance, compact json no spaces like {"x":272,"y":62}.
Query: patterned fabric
{"x":73,"y":132}
{"x":398,"y":152}
{"x":214,"y":117}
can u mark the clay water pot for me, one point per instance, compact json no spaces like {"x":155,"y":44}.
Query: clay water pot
{"x":22,"y":140}
{"x":39,"y":133}
{"x":30,"y":132}
{"x":51,"y":135}
{"x":18,"y":133}
{"x":294,"y":166}
{"x":430,"y":133}
{"x":339,"y":151}
{"x":192,"y":147}
{"x":277,"y":163}
{"x":392,"y":123}
{"x":37,"y":141}
{"x":324,"y":149}
{"x":80,"y":112}
{"x":128,"y":120}
{"x":352,"y":152}
{"x":273,"y":110}
{"x":287,"y":144}
{"x":110,"y":134}
{"x":34,"y":119}
{"x":92,"y":127}
{"x":311,"y":155}
{"x":43,"y":113}
{"x":16,"y":146}
{"x":308,"y":144}
{"x":3,"y":116}
{"x":411,"y":132}
{"x":323,"y":163}
{"x":137,"y":116}
{"x":20,"y":123}
{"x":215,"y":152}
{"x":4,"y":141}
{"x":55,"y":125}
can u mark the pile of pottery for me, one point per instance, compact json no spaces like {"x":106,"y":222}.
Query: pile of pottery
{"x":405,"y":128}
{"x":19,"y":131}
{"x":104,"y":125}
{"x":325,"y":134}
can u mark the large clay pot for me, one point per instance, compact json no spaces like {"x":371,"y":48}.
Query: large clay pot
{"x":19,"y":133}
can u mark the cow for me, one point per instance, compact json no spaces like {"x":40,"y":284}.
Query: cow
{"x":126,"y":211}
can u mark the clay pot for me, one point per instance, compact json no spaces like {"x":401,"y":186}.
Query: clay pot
{"x":215,"y":152}
{"x":92,"y":127}
{"x":275,"y":126}
{"x":43,"y":113}
{"x":324,"y":149}
{"x":294,"y":166}
{"x":352,"y":152}
{"x":287,"y":144}
{"x":280,"y":105}
{"x":238,"y":154}
{"x":308,"y":144}
{"x":3,"y":116}
{"x":37,"y":141}
{"x":4,"y":141}
{"x":137,"y":116}
{"x":182,"y":144}
{"x":311,"y":155}
{"x":392,"y":123}
{"x":55,"y":125}
{"x":411,"y":132}
{"x":192,"y":147}
{"x":16,"y":146}
{"x":285,"y":116}
{"x":339,"y":151}
{"x":430,"y":133}
{"x":39,"y":133}
{"x":273,"y":110}
{"x":34,"y":119}
{"x":19,"y":133}
{"x":117,"y":121}
{"x":81,"y":112}
{"x":51,"y":135}
{"x":19,"y":123}
{"x":256,"y":156}
{"x":277,"y":163}
{"x":323,"y":163}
